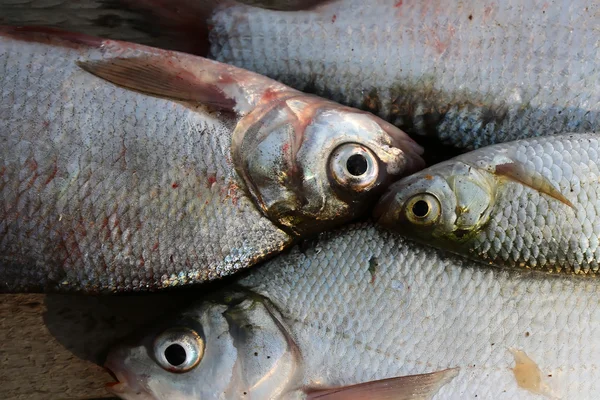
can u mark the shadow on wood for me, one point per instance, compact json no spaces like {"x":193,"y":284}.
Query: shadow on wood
{"x":53,"y":345}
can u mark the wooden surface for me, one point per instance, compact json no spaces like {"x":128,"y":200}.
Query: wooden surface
{"x":50,"y":346}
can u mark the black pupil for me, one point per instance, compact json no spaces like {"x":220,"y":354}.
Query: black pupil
{"x":420,"y":208}
{"x":175,"y":355}
{"x":357,"y":164}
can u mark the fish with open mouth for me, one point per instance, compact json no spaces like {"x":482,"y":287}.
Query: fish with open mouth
{"x":125,"y":167}
{"x":363,"y":313}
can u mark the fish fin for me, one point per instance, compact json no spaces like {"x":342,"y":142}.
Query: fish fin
{"x":152,"y":76}
{"x":47,"y":34}
{"x":413,"y":387}
{"x":517,"y":172}
{"x":286,"y":5}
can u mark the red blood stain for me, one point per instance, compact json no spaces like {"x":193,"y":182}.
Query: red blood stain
{"x":398,"y":4}
{"x":231,"y":193}
{"x":285,"y":148}
{"x":211,"y":180}
{"x":269,"y":95}
{"x":52,"y":174}
{"x":155,"y":247}
{"x":46,"y":124}
{"x":142,"y":261}
{"x":33,"y":165}
{"x":175,"y":185}
{"x":333,"y":18}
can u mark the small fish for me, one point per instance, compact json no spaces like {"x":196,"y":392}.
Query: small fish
{"x":531,"y":203}
{"x":313,"y":323}
{"x":469,"y":73}
{"x":125,"y":167}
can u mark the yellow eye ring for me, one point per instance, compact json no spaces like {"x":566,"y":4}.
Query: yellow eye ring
{"x":423,"y":209}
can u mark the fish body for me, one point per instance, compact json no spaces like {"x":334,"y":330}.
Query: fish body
{"x":124,"y":167}
{"x":531,"y":203}
{"x":363,"y":304}
{"x":469,"y":73}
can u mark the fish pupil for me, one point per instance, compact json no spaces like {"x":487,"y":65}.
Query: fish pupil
{"x":175,"y":354}
{"x":420,"y":209}
{"x":356,"y":164}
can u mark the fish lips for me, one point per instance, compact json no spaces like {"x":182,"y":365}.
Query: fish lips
{"x":127,"y":385}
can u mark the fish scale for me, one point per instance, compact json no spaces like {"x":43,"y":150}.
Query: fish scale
{"x":470,"y":73}
{"x":425,"y":311}
{"x":125,"y":167}
{"x":530,"y":203}
{"x":101,"y":238}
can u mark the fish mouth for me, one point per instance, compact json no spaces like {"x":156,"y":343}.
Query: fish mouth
{"x":126,"y":385}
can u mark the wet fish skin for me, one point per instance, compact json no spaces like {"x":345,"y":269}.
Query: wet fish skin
{"x":469,"y":73}
{"x":363,"y":304}
{"x":528,"y":204}
{"x":108,"y":189}
{"x":112,"y":19}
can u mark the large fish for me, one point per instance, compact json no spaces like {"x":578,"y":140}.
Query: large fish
{"x":361,"y":305}
{"x":124,"y":167}
{"x":470,"y":73}
{"x":467,"y":74}
{"x":531,"y":203}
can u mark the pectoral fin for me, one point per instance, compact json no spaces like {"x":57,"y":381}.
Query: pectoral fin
{"x":151,"y":76}
{"x":413,"y":387}
{"x":519,"y":173}
{"x":183,"y":77}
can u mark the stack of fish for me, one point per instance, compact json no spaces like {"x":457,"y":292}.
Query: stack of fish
{"x":126,"y":167}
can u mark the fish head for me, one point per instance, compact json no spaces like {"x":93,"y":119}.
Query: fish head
{"x":311,"y":164}
{"x":228,"y":348}
{"x":444,"y":205}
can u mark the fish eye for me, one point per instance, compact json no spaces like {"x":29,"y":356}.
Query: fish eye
{"x":178,"y":349}
{"x":354,"y":166}
{"x":423,"y":209}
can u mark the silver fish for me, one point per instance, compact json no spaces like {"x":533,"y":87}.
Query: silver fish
{"x":361,"y":305}
{"x":470,"y":73}
{"x":531,"y":203}
{"x":125,"y":167}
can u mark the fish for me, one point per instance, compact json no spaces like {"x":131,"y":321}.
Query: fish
{"x":167,"y":24}
{"x":464,"y":74}
{"x":530,"y":203}
{"x":125,"y":167}
{"x":362,"y":304}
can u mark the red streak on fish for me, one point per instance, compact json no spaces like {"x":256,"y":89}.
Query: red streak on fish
{"x":211,"y":180}
{"x":333,"y":18}
{"x":52,"y":174}
{"x":175,"y":185}
{"x":398,"y":4}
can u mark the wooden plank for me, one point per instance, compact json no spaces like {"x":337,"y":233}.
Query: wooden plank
{"x":52,"y":346}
